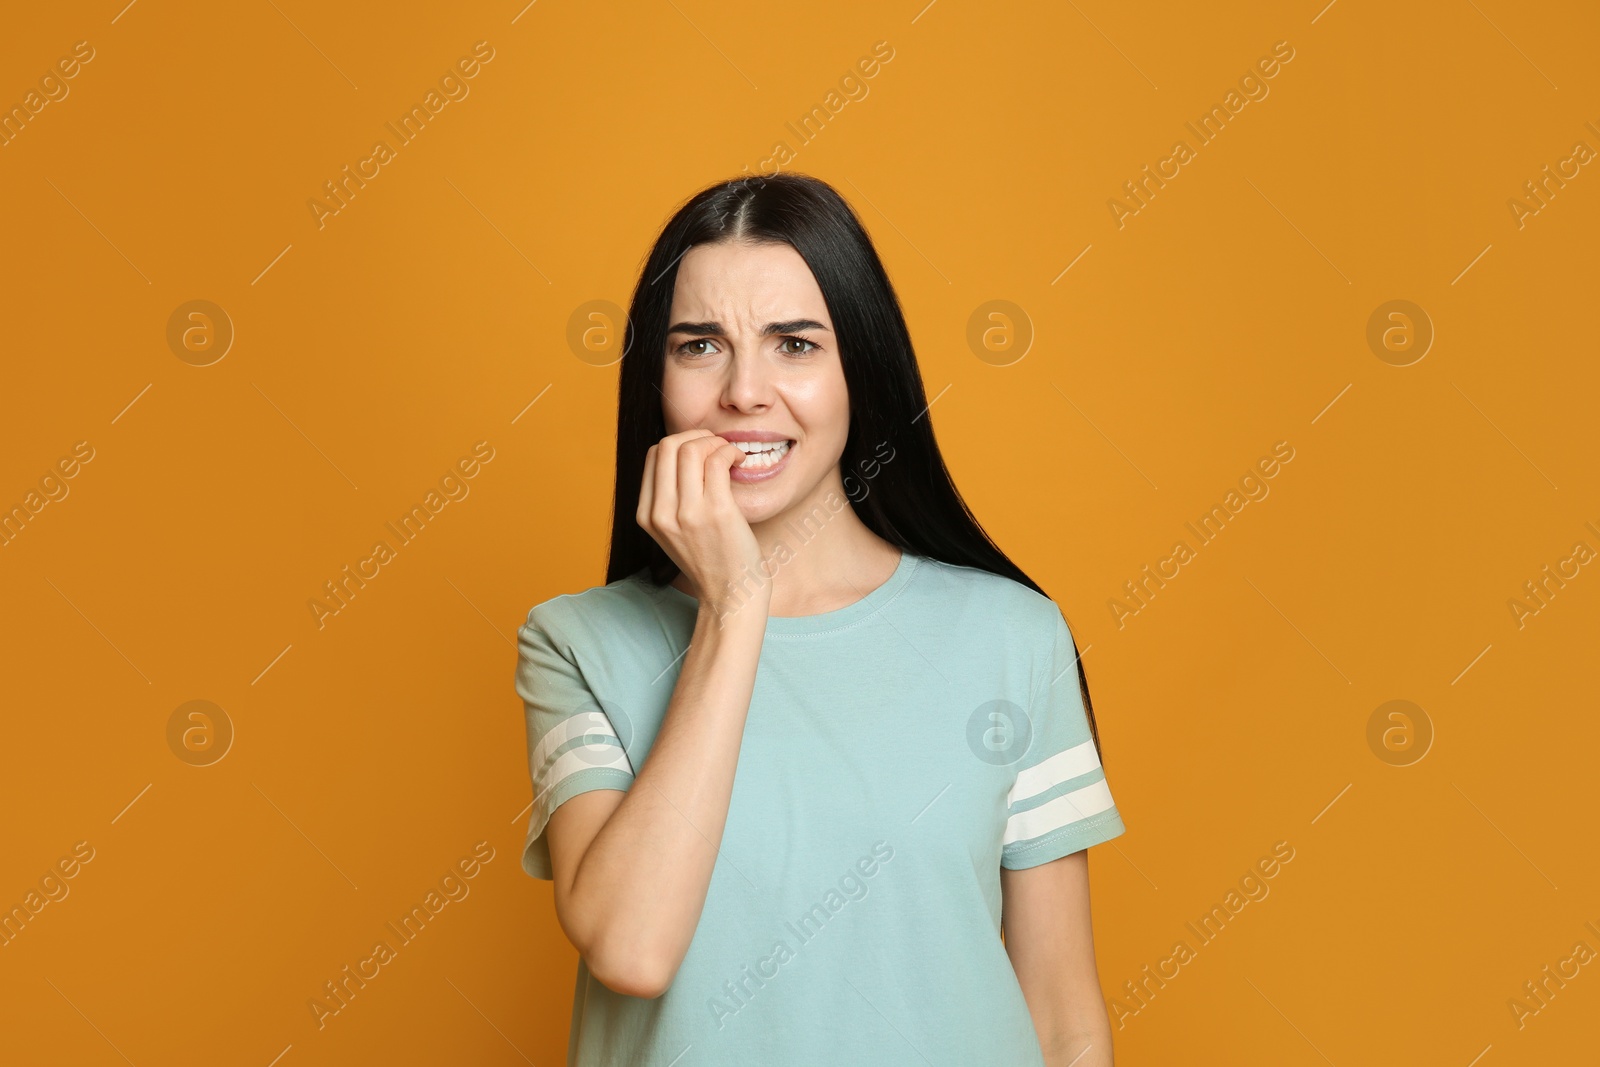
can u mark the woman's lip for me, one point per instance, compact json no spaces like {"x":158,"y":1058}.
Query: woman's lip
{"x":740,"y":474}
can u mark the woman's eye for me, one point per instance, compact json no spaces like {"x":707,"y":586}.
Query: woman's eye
{"x":690,"y":348}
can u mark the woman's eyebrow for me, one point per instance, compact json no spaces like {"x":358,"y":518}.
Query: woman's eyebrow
{"x":791,"y":326}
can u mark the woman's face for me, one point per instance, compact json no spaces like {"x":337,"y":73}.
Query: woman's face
{"x":750,"y":347}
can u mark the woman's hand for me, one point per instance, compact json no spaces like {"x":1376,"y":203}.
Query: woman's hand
{"x":632,"y":866}
{"x":686,"y":503}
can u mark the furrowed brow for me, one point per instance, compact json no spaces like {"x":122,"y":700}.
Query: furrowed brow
{"x":791,"y":326}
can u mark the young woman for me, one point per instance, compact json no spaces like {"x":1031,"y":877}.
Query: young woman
{"x":818,"y":743}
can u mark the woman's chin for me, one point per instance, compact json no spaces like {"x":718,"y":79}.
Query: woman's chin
{"x":759,"y":503}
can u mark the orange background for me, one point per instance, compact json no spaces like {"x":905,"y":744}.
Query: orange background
{"x":371,"y":754}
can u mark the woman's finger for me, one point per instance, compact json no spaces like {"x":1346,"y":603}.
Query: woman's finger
{"x":664,"y":506}
{"x":665,"y":510}
{"x":718,"y":483}
{"x":692,"y":470}
{"x":647,"y":485}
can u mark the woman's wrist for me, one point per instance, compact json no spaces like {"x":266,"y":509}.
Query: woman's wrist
{"x":738,"y":611}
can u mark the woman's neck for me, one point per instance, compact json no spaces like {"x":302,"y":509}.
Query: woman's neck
{"x":819,"y":556}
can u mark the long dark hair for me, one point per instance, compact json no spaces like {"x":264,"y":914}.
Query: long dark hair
{"x":912,"y":503}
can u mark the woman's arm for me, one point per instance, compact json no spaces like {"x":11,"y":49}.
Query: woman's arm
{"x":1050,"y":940}
{"x":632,"y":869}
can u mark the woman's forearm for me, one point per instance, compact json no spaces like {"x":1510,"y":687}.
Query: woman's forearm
{"x":1084,"y":1045}
{"x":639,"y":890}
{"x":1077,"y":1036}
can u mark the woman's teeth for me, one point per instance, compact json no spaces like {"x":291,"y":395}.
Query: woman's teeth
{"x":760,"y":454}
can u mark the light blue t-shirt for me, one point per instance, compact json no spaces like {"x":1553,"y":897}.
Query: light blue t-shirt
{"x":897,"y":753}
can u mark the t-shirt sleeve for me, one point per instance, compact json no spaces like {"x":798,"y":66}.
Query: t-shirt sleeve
{"x":1060,"y":802}
{"x":573,"y":745}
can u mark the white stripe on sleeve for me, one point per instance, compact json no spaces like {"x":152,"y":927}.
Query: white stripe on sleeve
{"x":1069,"y":763}
{"x":586,"y":758}
{"x":596,"y":729}
{"x":1064,"y":810}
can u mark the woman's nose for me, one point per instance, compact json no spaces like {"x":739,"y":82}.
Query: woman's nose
{"x":749,"y":377}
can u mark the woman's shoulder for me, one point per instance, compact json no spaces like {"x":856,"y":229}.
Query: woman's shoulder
{"x":996,"y":590}
{"x":600,"y":607}
{"x":994,"y":597}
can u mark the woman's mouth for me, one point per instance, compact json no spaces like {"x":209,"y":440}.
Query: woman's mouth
{"x":763,"y":459}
